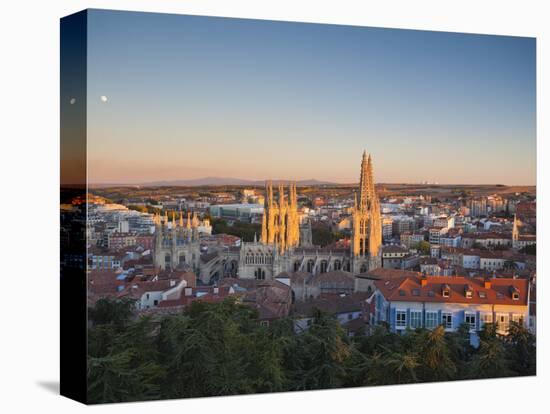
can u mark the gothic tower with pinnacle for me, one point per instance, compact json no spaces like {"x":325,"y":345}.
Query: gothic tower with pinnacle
{"x":366,"y":239}
{"x":280,"y":222}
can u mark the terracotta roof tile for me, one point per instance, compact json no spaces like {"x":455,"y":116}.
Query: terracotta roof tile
{"x":499,"y":292}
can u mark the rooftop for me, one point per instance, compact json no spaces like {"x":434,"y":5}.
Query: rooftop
{"x":497,"y":291}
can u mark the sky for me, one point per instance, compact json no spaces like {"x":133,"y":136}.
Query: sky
{"x":189,"y":97}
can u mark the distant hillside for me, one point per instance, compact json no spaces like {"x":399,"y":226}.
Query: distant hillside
{"x":217,"y":181}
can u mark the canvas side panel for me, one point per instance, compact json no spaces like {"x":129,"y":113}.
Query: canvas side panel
{"x":73,"y":167}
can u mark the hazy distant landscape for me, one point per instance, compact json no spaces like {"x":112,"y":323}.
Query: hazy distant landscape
{"x":307,"y":187}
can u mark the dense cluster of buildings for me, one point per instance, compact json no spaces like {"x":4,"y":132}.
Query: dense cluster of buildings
{"x":407,"y":261}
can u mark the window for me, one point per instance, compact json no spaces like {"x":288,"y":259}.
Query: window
{"x":350,"y":316}
{"x":470,"y":319}
{"x":447,"y":320}
{"x":259,"y":274}
{"x":155,"y":302}
{"x":431,"y":320}
{"x":503,"y":322}
{"x":486,"y":318}
{"x":401,"y":319}
{"x":517,"y":318}
{"x":416,"y":319}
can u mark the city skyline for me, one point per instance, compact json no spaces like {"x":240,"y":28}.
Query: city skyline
{"x":174,"y":97}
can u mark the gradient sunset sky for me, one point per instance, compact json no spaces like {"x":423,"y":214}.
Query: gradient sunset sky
{"x":191,"y":97}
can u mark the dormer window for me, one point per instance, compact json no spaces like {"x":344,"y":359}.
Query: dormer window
{"x":446,"y":291}
{"x":515,"y":292}
{"x":468,"y":291}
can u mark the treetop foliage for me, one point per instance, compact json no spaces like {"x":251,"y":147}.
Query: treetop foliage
{"x":221,"y":349}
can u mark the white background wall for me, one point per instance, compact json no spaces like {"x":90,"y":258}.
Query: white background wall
{"x":29,"y":169}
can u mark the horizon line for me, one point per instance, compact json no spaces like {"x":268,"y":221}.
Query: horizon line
{"x":255,"y":182}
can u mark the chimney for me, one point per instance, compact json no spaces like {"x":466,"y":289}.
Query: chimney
{"x":423,"y":280}
{"x":216,"y":290}
{"x":188,"y":291}
{"x":172,"y":283}
{"x":487,"y":284}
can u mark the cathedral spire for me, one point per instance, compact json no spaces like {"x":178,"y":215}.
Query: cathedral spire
{"x":282,"y":218}
{"x":188,"y":224}
{"x":515,"y":230}
{"x":264,"y":228}
{"x":181,"y":219}
{"x":270,"y":193}
{"x":367,"y":225}
{"x":370,"y":179}
{"x":364,"y":181}
{"x":281,"y":195}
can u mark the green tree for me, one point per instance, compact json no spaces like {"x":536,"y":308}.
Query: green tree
{"x":434,"y":355}
{"x":127,"y":369}
{"x":318,"y":358}
{"x":460,"y":349}
{"x":323,"y":236}
{"x":401,"y":366}
{"x":423,"y":247}
{"x":111,"y":311}
{"x":219,"y":349}
{"x":490,"y":360}
{"x":243,"y":230}
{"x":520,"y":345}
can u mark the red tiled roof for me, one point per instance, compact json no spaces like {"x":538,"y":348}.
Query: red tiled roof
{"x":498,"y":293}
{"x":383,"y":273}
{"x":332,"y":303}
{"x":209,"y":297}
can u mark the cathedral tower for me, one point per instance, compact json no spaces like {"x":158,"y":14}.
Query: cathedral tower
{"x":515,"y":233}
{"x":280,"y":222}
{"x":366,"y":239}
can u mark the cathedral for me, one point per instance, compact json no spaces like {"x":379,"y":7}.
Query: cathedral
{"x":285,"y":243}
{"x":177,"y":243}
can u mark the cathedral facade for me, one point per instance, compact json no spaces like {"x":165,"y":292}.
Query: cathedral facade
{"x":285,"y":243}
{"x":177,"y":243}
